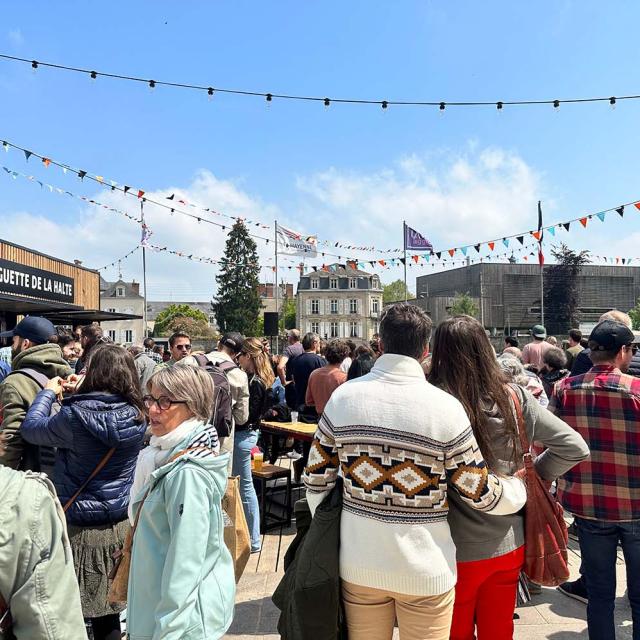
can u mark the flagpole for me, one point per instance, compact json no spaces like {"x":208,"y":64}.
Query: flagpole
{"x":144,"y":274}
{"x":404,"y":244}
{"x":276,"y":282}
{"x":540,"y":262}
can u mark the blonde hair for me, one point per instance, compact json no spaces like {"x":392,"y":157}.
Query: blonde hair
{"x":617,"y":316}
{"x":261,"y":363}
{"x":193,"y":385}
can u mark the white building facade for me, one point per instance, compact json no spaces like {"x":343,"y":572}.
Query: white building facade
{"x":340,"y":303}
{"x":123,"y":297}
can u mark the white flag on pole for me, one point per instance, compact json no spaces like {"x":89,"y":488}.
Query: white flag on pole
{"x":293,"y":243}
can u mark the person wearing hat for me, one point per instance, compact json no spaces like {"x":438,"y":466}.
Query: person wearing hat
{"x":603,"y":492}
{"x":224,"y":357}
{"x":532,"y":353}
{"x":34,"y":361}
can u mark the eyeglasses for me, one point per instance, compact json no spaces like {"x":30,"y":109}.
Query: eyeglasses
{"x":186,"y":347}
{"x":163,"y":402}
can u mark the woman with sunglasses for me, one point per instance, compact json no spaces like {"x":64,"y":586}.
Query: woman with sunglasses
{"x":181,"y":580}
{"x":254,"y":361}
{"x":102,"y":422}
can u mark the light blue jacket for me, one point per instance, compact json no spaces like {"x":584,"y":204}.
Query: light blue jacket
{"x":181,"y":581}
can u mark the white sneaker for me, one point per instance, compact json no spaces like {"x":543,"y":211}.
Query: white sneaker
{"x":294,"y":455}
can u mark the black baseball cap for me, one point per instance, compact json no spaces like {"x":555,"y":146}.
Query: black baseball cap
{"x":233,"y":341}
{"x":33,"y":328}
{"x":610,"y":335}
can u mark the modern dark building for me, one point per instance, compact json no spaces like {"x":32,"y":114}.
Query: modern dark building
{"x":508,"y":295}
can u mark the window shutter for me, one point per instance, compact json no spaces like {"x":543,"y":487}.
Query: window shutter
{"x":308,"y":306}
{"x":321,"y":306}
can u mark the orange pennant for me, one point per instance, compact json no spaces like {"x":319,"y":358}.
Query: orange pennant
{"x":491,"y":245}
{"x":382,"y":262}
{"x":416,"y":258}
{"x":536,"y":235}
{"x":451,"y":252}
{"x":583,"y":222}
{"x":637,"y":205}
{"x":46,"y":162}
{"x":525,"y":258}
{"x":617,"y":260}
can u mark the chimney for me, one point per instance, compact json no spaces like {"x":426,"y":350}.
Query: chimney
{"x":77,"y":262}
{"x":136,"y":287}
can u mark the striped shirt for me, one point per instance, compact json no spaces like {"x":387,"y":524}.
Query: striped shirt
{"x":603,"y":406}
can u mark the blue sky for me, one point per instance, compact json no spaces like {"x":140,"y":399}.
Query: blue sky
{"x":347,"y":173}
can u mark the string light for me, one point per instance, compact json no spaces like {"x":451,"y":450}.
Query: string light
{"x":94,"y":75}
{"x":327,"y":102}
{"x":499,"y":106}
{"x":298,"y":97}
{"x":210,"y":93}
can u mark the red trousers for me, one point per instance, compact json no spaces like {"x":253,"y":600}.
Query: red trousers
{"x":486,"y":597}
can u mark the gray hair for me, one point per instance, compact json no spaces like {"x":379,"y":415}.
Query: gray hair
{"x":514,"y":369}
{"x":135,"y":349}
{"x":193,"y":385}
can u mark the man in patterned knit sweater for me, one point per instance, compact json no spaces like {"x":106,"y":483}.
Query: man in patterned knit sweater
{"x":400,"y":445}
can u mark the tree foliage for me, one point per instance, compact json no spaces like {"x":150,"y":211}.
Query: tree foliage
{"x":288,"y":313}
{"x":166,"y":319}
{"x":561,"y":289}
{"x":395,"y":292}
{"x":463,"y":304}
{"x":634,"y":314}
{"x":237,"y":305}
{"x":195,"y":327}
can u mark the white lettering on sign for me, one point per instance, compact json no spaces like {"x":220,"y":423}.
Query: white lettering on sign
{"x":29,"y":282}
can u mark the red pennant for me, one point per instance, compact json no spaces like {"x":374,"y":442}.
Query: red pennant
{"x":583,"y":222}
{"x":416,"y":258}
{"x":491,"y":245}
{"x":140,"y":194}
{"x":637,"y":205}
{"x":617,"y":260}
{"x":46,"y":162}
{"x":382,"y":262}
{"x":536,"y":235}
{"x":525,"y":258}
{"x":451,"y":252}
{"x":273,"y":269}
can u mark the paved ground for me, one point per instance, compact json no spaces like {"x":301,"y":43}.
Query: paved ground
{"x":550,"y":616}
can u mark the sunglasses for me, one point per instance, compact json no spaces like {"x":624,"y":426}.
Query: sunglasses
{"x":186,"y":347}
{"x":163,"y":402}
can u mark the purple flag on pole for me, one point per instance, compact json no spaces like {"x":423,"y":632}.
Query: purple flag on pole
{"x":415,"y":241}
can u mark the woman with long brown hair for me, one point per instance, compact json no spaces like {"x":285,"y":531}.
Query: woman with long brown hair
{"x":490,"y":549}
{"x":99,"y":429}
{"x":254,"y":360}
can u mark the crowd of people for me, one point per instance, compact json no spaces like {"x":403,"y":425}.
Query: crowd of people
{"x":105,"y":448}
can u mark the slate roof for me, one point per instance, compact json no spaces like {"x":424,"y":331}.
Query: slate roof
{"x":337,"y":269}
{"x":110,"y":291}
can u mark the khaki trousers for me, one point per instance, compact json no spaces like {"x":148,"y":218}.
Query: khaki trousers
{"x":371,"y":614}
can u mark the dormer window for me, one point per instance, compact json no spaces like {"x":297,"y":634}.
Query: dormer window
{"x":333,"y":283}
{"x":119,"y":292}
{"x":375,"y":283}
{"x":353,"y":283}
{"x":315,"y":283}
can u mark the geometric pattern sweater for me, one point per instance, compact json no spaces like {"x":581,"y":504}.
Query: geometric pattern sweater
{"x":400,"y":445}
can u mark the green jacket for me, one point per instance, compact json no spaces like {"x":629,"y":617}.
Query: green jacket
{"x":17,"y":392}
{"x":37,"y":578}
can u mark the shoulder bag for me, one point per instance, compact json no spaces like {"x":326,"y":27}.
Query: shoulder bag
{"x":546,"y":536}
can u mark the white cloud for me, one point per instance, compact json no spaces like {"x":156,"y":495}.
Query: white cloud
{"x":15,"y":37}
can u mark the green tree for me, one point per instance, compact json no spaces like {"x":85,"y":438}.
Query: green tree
{"x":237,"y":305}
{"x":634,"y":314}
{"x":463,"y":304}
{"x":395,"y":292}
{"x":195,"y":327}
{"x":561,"y":289}
{"x":165,"y":319}
{"x":288,"y":313}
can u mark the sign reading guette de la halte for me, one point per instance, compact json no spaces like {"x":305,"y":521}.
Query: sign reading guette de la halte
{"x":27,"y":281}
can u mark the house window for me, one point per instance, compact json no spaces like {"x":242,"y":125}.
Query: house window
{"x":314,"y":283}
{"x":334,"y":306}
{"x":375,"y":305}
{"x":353,"y":305}
{"x":120,"y":292}
{"x":315,"y":306}
{"x":128,"y":335}
{"x":112,"y":334}
{"x":375,"y":283}
{"x":353,"y":283}
{"x":315,"y":327}
{"x":333,"y":283}
{"x":212,"y":319}
{"x":333,"y":329}
{"x":353,"y":329}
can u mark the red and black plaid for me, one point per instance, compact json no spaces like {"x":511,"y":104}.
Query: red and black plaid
{"x":603,"y":406}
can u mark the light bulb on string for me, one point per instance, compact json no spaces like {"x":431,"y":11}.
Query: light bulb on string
{"x":93,"y":75}
{"x":442,"y":108}
{"x":556,"y":105}
{"x":34,"y":66}
{"x":327,"y":103}
{"x":152,"y":85}
{"x":499,"y":106}
{"x":384,"y":104}
{"x":269,"y":99}
{"x":612,"y":102}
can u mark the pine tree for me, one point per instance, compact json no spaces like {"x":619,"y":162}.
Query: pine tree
{"x":237,"y":305}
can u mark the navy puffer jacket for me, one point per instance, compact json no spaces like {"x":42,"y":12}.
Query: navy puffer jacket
{"x":87,"y":426}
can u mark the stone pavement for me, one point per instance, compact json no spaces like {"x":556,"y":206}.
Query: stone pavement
{"x":550,"y":616}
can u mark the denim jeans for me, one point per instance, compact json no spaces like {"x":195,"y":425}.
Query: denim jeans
{"x":244,"y":441}
{"x":598,"y":545}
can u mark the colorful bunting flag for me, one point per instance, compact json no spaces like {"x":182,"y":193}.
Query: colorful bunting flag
{"x":491,"y":245}
{"x":583,"y":222}
{"x":601,"y":216}
{"x":620,"y":211}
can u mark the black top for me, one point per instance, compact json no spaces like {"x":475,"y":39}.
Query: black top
{"x":301,"y":369}
{"x":258,"y":400}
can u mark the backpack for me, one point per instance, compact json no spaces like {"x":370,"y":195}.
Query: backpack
{"x":221,"y":417}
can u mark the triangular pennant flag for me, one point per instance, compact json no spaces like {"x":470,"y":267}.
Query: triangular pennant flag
{"x":27,"y":154}
{"x":126,"y":188}
{"x":100,"y":179}
{"x":6,"y":147}
{"x":536,"y":235}
{"x":617,"y":260}
{"x":520,"y":239}
{"x":623,"y":261}
{"x":551,"y":230}
{"x":583,"y":222}
{"x":620,"y":211}
{"x":505,"y":242}
{"x":140,"y":193}
{"x":403,"y":260}
{"x":636,"y":205}
{"x":382,"y":262}
{"x":491,"y":245}
{"x":451,"y":252}
{"x":427,"y":257}
{"x":46,"y":162}
{"x":82,"y":174}
{"x":464,"y":250}
{"x":525,"y":258}
{"x":415,"y":259}
{"x":438,"y":254}
{"x":601,"y":215}
{"x":566,"y":225}
{"x":477,"y":247}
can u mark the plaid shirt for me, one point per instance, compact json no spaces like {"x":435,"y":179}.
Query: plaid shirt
{"x":156,"y":357}
{"x":603,"y":406}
